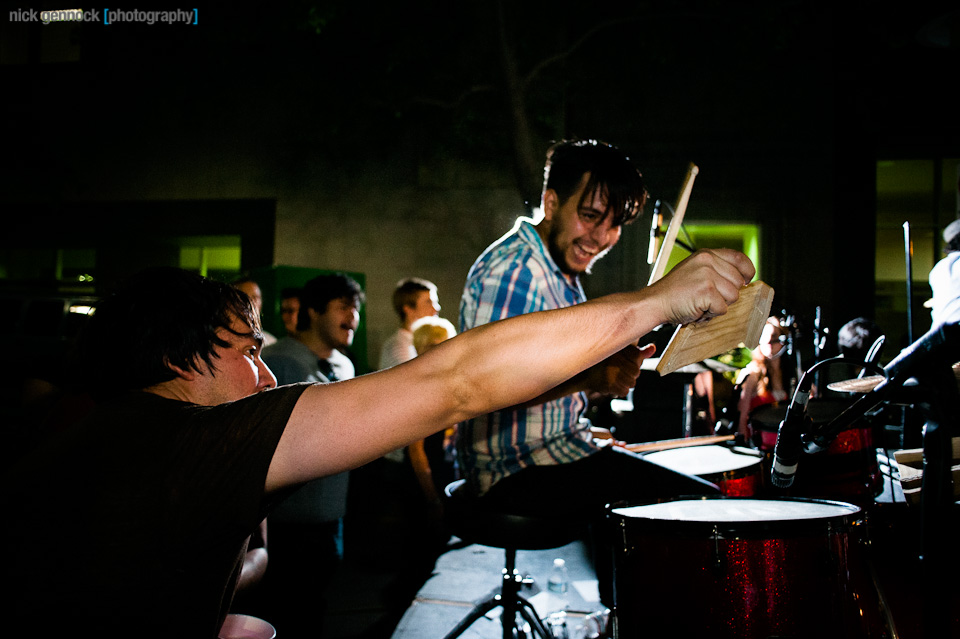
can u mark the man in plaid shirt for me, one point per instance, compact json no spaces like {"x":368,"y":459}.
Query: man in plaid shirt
{"x":540,"y":457}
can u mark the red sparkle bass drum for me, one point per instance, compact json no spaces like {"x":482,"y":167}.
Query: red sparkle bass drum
{"x":742,"y":568}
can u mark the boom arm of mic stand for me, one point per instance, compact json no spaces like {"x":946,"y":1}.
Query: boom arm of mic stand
{"x":940,"y":345}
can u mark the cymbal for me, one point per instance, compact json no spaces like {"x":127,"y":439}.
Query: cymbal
{"x":857,"y":384}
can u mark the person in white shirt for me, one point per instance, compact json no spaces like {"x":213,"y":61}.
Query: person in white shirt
{"x":413,"y":298}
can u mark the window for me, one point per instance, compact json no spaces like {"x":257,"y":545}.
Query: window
{"x":916,"y":199}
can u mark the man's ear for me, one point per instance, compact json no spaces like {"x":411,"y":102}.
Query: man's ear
{"x":550,"y":203}
{"x":187,"y":375}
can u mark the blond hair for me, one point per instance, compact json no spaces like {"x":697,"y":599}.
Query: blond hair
{"x":430,"y":331}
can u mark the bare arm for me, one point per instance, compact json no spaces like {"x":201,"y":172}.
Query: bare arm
{"x":748,"y":389}
{"x":421,"y":468}
{"x":255,"y":561}
{"x":464,"y":377}
{"x":613,"y":377}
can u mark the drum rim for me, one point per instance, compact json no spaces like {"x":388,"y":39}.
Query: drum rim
{"x":783,"y":528}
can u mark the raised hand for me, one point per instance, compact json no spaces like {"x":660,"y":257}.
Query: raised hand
{"x":617,"y":374}
{"x":703,"y":285}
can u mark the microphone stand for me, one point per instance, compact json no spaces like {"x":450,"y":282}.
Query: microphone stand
{"x":937,"y":501}
{"x":930,"y":361}
{"x":908,"y":254}
{"x":938,"y":348}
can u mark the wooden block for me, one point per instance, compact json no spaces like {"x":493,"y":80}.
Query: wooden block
{"x":910,"y":477}
{"x":909,"y":457}
{"x":910,"y":464}
{"x":914,"y":456}
{"x":741,"y":324}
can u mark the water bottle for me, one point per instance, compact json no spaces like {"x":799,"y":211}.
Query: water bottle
{"x":558,"y":577}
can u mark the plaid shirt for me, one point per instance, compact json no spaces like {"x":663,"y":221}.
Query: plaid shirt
{"x":517,"y":275}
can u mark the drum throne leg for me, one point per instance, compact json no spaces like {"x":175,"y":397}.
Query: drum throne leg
{"x":512,"y":602}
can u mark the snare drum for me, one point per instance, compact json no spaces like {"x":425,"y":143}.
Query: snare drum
{"x":744,"y":568}
{"x":737,"y":474}
{"x":847,"y":469}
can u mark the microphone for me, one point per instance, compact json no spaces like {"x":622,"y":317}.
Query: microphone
{"x":786,"y":453}
{"x":653,"y":247}
{"x":940,"y":346}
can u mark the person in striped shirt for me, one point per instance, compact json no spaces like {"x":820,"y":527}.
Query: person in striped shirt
{"x":541,"y":457}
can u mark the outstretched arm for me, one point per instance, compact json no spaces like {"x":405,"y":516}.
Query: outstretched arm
{"x":490,"y":367}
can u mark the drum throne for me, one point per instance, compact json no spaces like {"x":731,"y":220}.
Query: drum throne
{"x":475,"y":523}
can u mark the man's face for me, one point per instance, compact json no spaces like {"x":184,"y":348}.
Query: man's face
{"x":239,"y":371}
{"x":289,"y":310}
{"x":578,"y":235}
{"x":337,"y":325}
{"x":427,"y":305}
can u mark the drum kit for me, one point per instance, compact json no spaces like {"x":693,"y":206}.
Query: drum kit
{"x":781,"y":552}
{"x":791,"y":559}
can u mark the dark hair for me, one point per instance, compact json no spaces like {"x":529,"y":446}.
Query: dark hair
{"x":857,"y":336}
{"x":289,"y":292}
{"x":158,"y":318}
{"x":243,"y":279}
{"x":321,"y":290}
{"x":406,"y":292}
{"x":609,"y":169}
{"x":953,"y":245}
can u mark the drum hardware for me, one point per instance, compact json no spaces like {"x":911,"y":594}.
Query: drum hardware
{"x":717,"y":555}
{"x":796,"y":429}
{"x":908,"y":258}
{"x":930,"y":360}
{"x":932,"y":349}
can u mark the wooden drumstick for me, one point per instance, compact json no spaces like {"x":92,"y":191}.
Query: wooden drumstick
{"x":742,"y":323}
{"x":674,"y":227}
{"x":684,"y":442}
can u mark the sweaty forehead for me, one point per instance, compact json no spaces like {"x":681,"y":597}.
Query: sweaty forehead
{"x":595,"y":196}
{"x":239,"y":329}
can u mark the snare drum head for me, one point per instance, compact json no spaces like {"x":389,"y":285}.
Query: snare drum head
{"x":703,"y":460}
{"x":736,"y":514}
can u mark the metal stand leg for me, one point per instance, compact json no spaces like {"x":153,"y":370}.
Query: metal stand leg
{"x":937,"y":525}
{"x":512,"y":602}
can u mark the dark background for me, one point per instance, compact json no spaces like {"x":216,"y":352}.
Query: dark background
{"x":785,"y":106}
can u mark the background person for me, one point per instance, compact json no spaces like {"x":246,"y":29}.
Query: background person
{"x":307,"y":529}
{"x":413,"y":298}
{"x":249,"y":286}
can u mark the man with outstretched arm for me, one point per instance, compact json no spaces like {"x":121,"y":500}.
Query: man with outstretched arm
{"x":135,"y":520}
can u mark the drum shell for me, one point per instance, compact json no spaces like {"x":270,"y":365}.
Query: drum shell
{"x":847,"y":470}
{"x":743,"y":579}
{"x":736,"y":475}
